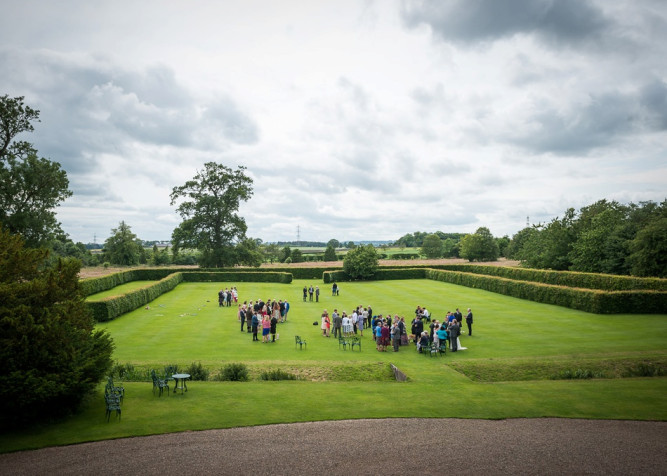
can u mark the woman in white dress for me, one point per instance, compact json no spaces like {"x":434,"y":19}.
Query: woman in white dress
{"x":347,"y":325}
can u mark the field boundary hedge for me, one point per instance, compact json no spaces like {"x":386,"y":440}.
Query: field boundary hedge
{"x":111,"y":307}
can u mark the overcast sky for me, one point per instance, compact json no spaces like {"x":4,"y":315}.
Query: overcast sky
{"x":357,"y":120}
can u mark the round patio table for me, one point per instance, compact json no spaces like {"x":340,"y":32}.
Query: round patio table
{"x":181,"y":378}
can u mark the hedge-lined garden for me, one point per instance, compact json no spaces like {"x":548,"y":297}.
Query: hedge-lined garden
{"x":596,"y":293}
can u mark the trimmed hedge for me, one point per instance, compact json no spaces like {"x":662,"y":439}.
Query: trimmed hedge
{"x":606,"y":282}
{"x":404,"y":256}
{"x":380,"y":274}
{"x":590,"y":300}
{"x":91,"y":286}
{"x":114,"y":306}
{"x":237,"y":276}
{"x":400,"y":273}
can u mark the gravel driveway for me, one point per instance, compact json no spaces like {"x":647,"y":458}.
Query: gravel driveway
{"x":357,"y":447}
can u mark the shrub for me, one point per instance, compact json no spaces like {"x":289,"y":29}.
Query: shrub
{"x":234,"y":372}
{"x":276,"y":374}
{"x":577,"y":374}
{"x":128,"y":372}
{"x":645,"y":369}
{"x":197,"y":371}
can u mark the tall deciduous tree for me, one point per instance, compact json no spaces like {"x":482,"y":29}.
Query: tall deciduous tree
{"x":50,"y":354}
{"x":249,"y":253}
{"x":550,"y":247}
{"x":361,"y":262}
{"x":330,"y":252}
{"x":432,"y":246}
{"x":123,"y":247}
{"x":649,"y":250}
{"x":480,"y":246}
{"x":209,"y":208}
{"x":30,"y":187}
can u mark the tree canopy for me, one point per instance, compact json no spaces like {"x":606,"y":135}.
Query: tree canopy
{"x":50,"y":354}
{"x":604,"y":237}
{"x":123,"y":247}
{"x":480,"y":246}
{"x":432,"y":246}
{"x":209,"y":206}
{"x":30,"y":187}
{"x":330,"y":252}
{"x":361,"y":262}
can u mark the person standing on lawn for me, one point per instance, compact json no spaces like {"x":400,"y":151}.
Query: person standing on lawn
{"x":317,"y":294}
{"x":396,"y":335}
{"x":386,"y":333}
{"x":255,"y":324}
{"x":453,"y":331}
{"x":311,"y":291}
{"x":337,"y":322}
{"x":326,"y":324}
{"x":266,"y":328}
{"x":305,"y":293}
{"x":469,"y":321}
{"x":274,"y":323}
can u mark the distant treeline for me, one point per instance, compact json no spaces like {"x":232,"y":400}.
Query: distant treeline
{"x":416,"y":239}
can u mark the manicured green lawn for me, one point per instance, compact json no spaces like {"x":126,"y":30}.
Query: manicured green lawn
{"x":186,"y":325}
{"x":119,"y":290}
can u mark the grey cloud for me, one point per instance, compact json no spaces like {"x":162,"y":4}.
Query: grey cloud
{"x":156,"y":85}
{"x":653,"y":99}
{"x":225,"y":117}
{"x":90,"y":106}
{"x":471,"y":21}
{"x":606,"y":118}
{"x":448,"y":168}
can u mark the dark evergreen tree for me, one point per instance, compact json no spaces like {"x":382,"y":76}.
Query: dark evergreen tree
{"x":50,"y":354}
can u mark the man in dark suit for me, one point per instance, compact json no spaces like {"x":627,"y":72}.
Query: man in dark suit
{"x":255,"y":324}
{"x":469,"y":321}
{"x":337,"y":322}
{"x":454,"y":331}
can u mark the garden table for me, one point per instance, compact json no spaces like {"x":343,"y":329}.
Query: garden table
{"x":182,"y":378}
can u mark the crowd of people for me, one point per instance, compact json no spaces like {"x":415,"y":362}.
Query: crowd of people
{"x":392,"y":331}
{"x":264,"y":315}
{"x":385,"y":330}
{"x":345,"y":325}
{"x":227,"y":295}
